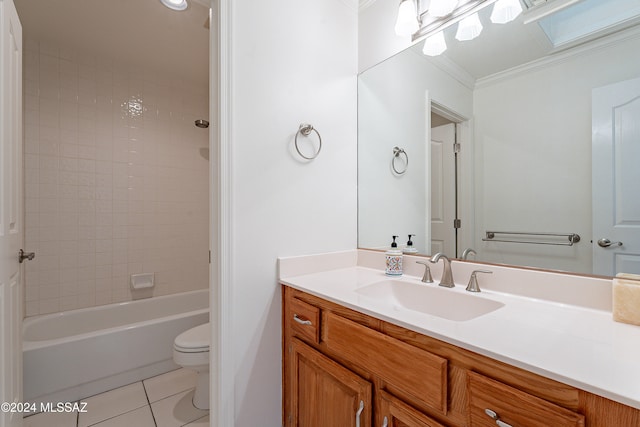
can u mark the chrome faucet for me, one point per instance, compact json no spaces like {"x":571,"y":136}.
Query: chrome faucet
{"x":468,"y":252}
{"x":447,"y":275}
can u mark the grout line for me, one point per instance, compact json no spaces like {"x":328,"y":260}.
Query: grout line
{"x":146,"y":394}
{"x":131,"y":410}
{"x":173,"y":394}
{"x":110,"y":418}
{"x":107,"y":391}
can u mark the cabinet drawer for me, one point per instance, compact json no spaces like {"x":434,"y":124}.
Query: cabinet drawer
{"x":513,"y":407}
{"x":305,"y":320}
{"x":409,"y":369}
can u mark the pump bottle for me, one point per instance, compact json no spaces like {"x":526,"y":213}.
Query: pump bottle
{"x":394,"y":259}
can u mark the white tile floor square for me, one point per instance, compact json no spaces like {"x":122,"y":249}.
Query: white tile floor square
{"x":162,"y":401}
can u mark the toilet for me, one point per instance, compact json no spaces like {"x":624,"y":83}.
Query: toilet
{"x":191,"y":351}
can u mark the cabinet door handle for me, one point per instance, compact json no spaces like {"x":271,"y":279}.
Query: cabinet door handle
{"x":494,"y":416}
{"x":302,"y":322}
{"x":385,"y":422}
{"x":360,"y":409}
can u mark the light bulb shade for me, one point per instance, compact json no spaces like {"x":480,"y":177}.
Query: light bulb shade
{"x":407,"y":22}
{"x":439,"y":8}
{"x":434,"y":45}
{"x":469,"y":28}
{"x":505,"y":11}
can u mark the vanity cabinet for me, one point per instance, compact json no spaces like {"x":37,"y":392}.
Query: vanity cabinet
{"x":334,"y":358}
{"x":325,"y":393}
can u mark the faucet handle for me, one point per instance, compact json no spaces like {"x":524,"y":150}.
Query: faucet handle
{"x":426,"y":277}
{"x":473,"y":281}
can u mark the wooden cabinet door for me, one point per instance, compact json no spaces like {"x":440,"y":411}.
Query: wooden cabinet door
{"x":324,"y":393}
{"x":410,"y":370}
{"x":395,"y":413}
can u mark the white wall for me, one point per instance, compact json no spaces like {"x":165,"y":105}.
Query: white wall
{"x":293,"y":61}
{"x":392,"y":112}
{"x":115,"y":180}
{"x":535,"y":173}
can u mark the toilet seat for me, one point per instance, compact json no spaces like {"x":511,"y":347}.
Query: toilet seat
{"x":195,"y":340}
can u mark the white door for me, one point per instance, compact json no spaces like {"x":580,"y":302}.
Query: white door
{"x":443,"y":191}
{"x":10,"y":211}
{"x":616,"y":178}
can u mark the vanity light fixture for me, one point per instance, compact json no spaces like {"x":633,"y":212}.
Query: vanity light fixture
{"x":469,"y":28}
{"x":505,"y":11}
{"x":175,"y":4}
{"x":425,"y":23}
{"x":407,"y":21}
{"x":435,"y":44}
{"x":429,"y":23}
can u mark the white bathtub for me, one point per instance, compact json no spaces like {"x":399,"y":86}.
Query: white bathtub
{"x":79,"y":353}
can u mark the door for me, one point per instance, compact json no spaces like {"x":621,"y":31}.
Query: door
{"x":443,"y":189}
{"x":10,"y":210}
{"x":325,"y":393}
{"x":616,"y":178}
{"x":395,"y":413}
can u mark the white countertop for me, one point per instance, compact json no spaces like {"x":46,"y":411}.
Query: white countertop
{"x":573,"y":344}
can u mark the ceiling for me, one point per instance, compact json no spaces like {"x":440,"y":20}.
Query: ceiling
{"x":504,"y":46}
{"x":142,"y":32}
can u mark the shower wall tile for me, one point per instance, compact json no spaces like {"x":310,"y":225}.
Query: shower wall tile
{"x":115,"y":182}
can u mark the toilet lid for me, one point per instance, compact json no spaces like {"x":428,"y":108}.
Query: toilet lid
{"x":197,"y":338}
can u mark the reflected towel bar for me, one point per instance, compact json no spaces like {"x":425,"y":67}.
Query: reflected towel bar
{"x":572,"y":237}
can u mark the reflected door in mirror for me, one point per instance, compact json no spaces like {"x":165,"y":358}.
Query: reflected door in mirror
{"x":443,"y":190}
{"x":616,"y":178}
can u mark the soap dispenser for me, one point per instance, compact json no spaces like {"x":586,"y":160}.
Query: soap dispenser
{"x":394,"y":259}
{"x":409,"y":249}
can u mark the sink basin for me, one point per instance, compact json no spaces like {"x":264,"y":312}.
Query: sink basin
{"x":430,"y":299}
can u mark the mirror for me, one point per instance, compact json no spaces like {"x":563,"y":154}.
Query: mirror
{"x":518,"y":100}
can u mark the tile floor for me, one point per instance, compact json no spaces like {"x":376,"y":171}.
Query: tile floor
{"x":162,"y":401}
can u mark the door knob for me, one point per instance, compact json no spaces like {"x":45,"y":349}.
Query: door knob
{"x":605,"y":243}
{"x":22,"y":255}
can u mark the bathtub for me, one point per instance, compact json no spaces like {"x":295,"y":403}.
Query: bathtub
{"x":75,"y":354}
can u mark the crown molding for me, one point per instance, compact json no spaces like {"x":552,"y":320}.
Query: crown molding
{"x":560,"y":56}
{"x":449,"y":67}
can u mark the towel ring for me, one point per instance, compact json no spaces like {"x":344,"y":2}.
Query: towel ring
{"x":305,"y":130}
{"x":397,"y":151}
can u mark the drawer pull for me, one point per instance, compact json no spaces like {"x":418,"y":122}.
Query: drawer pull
{"x":302,"y":322}
{"x":496,"y":418}
{"x":385,"y":422}
{"x":360,"y":409}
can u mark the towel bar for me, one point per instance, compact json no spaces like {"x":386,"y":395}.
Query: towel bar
{"x":572,"y":237}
